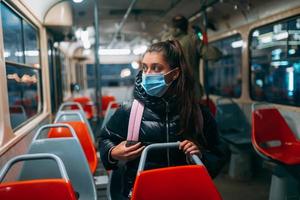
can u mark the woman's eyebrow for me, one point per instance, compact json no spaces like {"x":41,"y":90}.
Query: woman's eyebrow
{"x":152,"y":64}
{"x":156,"y":64}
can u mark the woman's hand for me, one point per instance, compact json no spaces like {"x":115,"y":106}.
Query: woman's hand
{"x":189,"y":148}
{"x":121,"y":152}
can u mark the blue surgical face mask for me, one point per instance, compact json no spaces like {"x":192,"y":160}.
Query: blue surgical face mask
{"x":155,"y":84}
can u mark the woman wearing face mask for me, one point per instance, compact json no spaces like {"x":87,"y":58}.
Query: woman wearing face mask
{"x":171,"y":113}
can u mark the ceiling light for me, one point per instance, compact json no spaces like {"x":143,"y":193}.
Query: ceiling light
{"x":140,"y":50}
{"x":135,"y":65}
{"x":77,"y":1}
{"x":114,"y":52}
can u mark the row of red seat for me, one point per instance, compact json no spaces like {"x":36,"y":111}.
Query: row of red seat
{"x":89,"y":107}
{"x":76,"y":153}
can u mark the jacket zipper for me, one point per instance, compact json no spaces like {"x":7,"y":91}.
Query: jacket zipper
{"x":167,"y":126}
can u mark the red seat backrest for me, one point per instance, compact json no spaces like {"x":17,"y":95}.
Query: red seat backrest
{"x":106,"y":100}
{"x":46,"y":189}
{"x":183,"y":182}
{"x":269,"y":125}
{"x":84,"y":137}
{"x":85,"y":103}
{"x":211,"y":105}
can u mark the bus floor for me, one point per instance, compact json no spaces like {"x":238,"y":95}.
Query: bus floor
{"x":256,"y":188}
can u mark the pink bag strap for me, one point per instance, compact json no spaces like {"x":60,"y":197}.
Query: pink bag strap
{"x":135,"y":119}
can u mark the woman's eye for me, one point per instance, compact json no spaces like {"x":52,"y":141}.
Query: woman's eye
{"x":144,"y":68}
{"x":156,"y":68}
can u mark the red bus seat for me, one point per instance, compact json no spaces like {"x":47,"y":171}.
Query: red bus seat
{"x":46,"y":189}
{"x":84,"y":137}
{"x":43,"y":186}
{"x":272,"y":137}
{"x":182,"y":182}
{"x":211,"y":105}
{"x":105,"y":102}
{"x":86,"y":104}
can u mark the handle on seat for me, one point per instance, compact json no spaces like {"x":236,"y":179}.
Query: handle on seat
{"x":37,"y":156}
{"x":141,"y":167}
{"x":224,"y":98}
{"x":68,"y":112}
{"x":61,"y":107}
{"x":256,"y":104}
{"x":54,"y":126}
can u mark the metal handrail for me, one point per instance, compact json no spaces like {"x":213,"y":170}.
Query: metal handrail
{"x":37,"y":156}
{"x":141,"y":167}
{"x":65,"y":104}
{"x":54,"y":126}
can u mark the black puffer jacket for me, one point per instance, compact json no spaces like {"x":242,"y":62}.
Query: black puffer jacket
{"x":160,"y":123}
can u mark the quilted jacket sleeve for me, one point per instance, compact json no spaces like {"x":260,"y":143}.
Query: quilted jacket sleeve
{"x":113,"y":133}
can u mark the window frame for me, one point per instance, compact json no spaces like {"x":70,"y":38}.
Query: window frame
{"x":40,"y":88}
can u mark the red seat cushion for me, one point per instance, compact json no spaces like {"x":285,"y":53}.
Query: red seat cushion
{"x":46,"y":189}
{"x":84,"y":139}
{"x":272,"y":137}
{"x":176,"y":183}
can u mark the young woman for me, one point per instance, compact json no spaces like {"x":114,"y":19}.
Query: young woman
{"x":166,"y":88}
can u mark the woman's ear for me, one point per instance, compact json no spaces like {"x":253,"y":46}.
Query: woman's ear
{"x":177,"y":73}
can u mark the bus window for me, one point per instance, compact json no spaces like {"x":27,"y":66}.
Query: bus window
{"x":274,"y":62}
{"x":112,"y":75}
{"x":22,"y":67}
{"x":224,"y":75}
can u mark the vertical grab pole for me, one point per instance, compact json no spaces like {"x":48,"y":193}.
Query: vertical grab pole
{"x":97,"y":61}
{"x":205,"y":41}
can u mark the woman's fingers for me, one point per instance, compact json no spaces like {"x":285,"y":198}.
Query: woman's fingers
{"x":189,"y":147}
{"x":121,"y":152}
{"x":134,"y":154}
{"x":182,"y":144}
{"x":133,"y":147}
{"x":189,"y":150}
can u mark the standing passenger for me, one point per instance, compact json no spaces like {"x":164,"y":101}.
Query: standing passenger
{"x":171,"y":113}
{"x":189,"y":44}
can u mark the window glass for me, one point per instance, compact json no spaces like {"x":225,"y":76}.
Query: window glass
{"x":112,"y":75}
{"x":224,"y":75}
{"x":23,"y":93}
{"x":32,"y":54}
{"x":274,"y":61}
{"x":12,"y":34}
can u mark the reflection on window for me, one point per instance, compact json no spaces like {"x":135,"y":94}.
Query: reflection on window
{"x":23,"y":93}
{"x":31,"y":45}
{"x":12,"y":33}
{"x":224,"y":75}
{"x":112,"y":75}
{"x":275,"y":65}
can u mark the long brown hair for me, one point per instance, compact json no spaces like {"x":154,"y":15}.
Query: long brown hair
{"x":191,"y":119}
